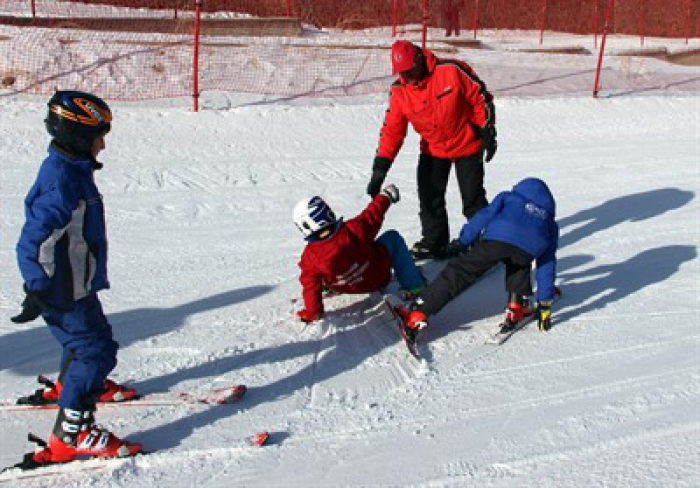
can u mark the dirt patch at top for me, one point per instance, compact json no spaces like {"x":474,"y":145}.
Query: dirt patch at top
{"x":686,"y":58}
{"x":556,"y":50}
{"x":268,"y":26}
{"x":466,"y":43}
{"x":690,"y":57}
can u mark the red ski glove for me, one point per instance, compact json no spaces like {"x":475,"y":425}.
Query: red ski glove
{"x":308,"y":317}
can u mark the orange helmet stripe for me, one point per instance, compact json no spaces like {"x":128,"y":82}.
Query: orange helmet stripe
{"x":62,"y":112}
{"x":95,"y":115}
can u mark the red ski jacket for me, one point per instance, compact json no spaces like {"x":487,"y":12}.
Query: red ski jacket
{"x":445,"y":109}
{"x":349,"y":261}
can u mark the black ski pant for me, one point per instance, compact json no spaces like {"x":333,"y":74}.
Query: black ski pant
{"x":462,"y":271}
{"x":433,"y":176}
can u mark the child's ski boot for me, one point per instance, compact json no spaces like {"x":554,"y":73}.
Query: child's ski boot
{"x":49,"y":394}
{"x":76,"y":437}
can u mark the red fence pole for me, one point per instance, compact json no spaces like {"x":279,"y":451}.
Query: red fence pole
{"x":289,"y":8}
{"x":195,"y":60}
{"x":596,"y":20}
{"x":641,"y":22}
{"x":543,"y":21}
{"x":33,"y":8}
{"x":596,"y":83}
{"x":393,"y":18}
{"x":687,"y":23}
{"x":476,"y":17}
{"x":425,"y":22}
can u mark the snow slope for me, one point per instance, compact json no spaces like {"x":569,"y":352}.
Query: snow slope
{"x":204,"y":279}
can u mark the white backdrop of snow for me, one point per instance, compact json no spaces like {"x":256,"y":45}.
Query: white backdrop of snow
{"x":203,"y":260}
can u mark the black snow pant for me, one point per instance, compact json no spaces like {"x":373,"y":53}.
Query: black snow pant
{"x":433,"y":176}
{"x":462,"y":271}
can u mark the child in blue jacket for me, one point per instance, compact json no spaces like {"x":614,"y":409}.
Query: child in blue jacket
{"x":517,"y":228}
{"x":62,"y":256}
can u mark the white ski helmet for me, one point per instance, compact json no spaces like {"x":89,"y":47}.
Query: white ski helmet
{"x":312,"y":215}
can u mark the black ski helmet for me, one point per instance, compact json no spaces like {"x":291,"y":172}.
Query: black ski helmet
{"x":76,"y":119}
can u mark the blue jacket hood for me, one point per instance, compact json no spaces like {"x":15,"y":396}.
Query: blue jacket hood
{"x":536,"y":190}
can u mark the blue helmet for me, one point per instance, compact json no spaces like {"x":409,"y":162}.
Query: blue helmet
{"x":312,"y":215}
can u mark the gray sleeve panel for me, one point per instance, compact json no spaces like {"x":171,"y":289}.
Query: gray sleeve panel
{"x":81,"y":261}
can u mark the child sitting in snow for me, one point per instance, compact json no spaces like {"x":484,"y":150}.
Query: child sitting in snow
{"x":345,"y":257}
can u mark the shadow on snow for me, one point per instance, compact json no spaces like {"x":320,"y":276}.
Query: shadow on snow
{"x":41,"y":353}
{"x":328,"y":358}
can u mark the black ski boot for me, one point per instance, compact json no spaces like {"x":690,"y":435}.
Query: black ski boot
{"x":424,"y":250}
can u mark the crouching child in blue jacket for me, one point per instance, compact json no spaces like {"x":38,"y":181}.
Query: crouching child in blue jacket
{"x":517,"y":228}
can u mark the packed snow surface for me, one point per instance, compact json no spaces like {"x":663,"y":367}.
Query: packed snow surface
{"x":203,"y":265}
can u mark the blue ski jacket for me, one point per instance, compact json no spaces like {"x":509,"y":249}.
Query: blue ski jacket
{"x":62,"y":249}
{"x":523,"y":217}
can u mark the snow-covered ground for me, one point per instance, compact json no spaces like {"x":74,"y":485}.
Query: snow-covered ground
{"x":204,"y":283}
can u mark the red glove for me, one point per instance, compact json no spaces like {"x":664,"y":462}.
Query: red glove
{"x":308,"y":317}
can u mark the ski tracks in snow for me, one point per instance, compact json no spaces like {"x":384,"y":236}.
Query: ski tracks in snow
{"x":356,"y":335}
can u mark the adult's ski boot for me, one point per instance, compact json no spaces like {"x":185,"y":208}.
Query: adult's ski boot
{"x":423,"y":250}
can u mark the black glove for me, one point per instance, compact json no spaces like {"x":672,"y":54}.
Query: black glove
{"x":454,"y":248}
{"x":32,"y":306}
{"x":544,"y":315}
{"x":379,"y":170}
{"x":488,"y":141}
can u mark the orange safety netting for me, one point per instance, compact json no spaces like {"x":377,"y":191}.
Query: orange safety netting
{"x":129,"y":53}
{"x":144,"y":49}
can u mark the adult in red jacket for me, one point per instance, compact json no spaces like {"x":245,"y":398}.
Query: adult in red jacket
{"x":449,"y":106}
{"x":345,"y":257}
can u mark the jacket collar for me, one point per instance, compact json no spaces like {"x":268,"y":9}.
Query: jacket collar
{"x":86,"y":163}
